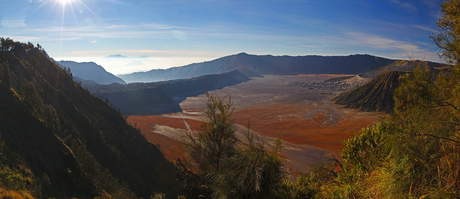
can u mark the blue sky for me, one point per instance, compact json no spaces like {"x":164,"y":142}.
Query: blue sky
{"x":148,"y":34}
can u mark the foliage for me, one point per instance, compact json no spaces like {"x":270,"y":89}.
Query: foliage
{"x":448,"y":37}
{"x":5,"y":193}
{"x":415,"y":153}
{"x":428,"y":113}
{"x":15,"y":177}
{"x":297,"y":189}
{"x":309,"y":184}
{"x":365,"y":150}
{"x":217,"y":140}
{"x":362,"y":156}
{"x":220,"y":165}
{"x":102,"y":178}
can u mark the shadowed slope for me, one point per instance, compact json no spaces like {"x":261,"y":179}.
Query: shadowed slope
{"x":377,"y":95}
{"x":163,"y":97}
{"x":248,"y":72}
{"x":70,"y":139}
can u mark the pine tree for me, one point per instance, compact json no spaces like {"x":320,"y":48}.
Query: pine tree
{"x":220,"y":165}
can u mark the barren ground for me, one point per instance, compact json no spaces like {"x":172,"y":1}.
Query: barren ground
{"x":311,"y":126}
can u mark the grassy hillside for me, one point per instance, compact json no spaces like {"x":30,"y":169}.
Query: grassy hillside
{"x":63,"y":142}
{"x":377,"y":95}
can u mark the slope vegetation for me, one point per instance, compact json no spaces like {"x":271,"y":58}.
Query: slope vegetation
{"x":267,"y":64}
{"x":58,"y":140}
{"x":376,"y":95}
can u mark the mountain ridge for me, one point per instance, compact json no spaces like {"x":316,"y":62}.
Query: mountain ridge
{"x":91,"y":71}
{"x":403,"y":65}
{"x":266,"y":64}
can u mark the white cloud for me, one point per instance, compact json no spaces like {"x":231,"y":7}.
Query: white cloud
{"x":13,"y":23}
{"x":378,"y":42}
{"x":141,"y":30}
{"x":180,"y":35}
{"x":425,"y":28}
{"x":392,"y":48}
{"x":135,"y":63}
{"x":424,"y":56}
{"x":408,"y":6}
{"x":146,"y":53}
{"x":22,"y":38}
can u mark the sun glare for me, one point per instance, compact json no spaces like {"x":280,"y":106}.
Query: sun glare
{"x":65,"y":1}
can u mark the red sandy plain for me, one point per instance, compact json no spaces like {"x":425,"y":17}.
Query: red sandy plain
{"x":274,"y":110}
{"x":172,"y":148}
{"x":268,"y":120}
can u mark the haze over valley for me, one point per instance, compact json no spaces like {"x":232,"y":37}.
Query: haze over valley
{"x":229,"y":99}
{"x":285,"y":98}
{"x":291,"y":98}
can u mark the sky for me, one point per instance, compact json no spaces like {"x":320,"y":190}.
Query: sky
{"x":126,"y":36}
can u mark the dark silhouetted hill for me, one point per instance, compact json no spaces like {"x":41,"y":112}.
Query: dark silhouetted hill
{"x":266,"y":64}
{"x":162,"y":97}
{"x":59,"y":141}
{"x":376,"y":95}
{"x":91,"y":71}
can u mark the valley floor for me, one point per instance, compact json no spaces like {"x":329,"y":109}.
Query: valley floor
{"x":296,"y":109}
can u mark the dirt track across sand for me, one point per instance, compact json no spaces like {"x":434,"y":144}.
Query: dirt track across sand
{"x":311,"y":126}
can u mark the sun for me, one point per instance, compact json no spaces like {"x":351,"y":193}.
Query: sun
{"x":65,"y":1}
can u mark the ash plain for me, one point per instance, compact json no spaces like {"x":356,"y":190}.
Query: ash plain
{"x":294,"y":108}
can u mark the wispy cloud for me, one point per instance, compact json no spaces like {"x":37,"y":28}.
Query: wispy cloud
{"x":53,"y":33}
{"x":13,"y":23}
{"x":175,"y":53}
{"x":400,"y":49}
{"x":23,"y":38}
{"x":378,"y":42}
{"x":144,"y":52}
{"x":309,"y":46}
{"x":424,"y":56}
{"x":306,"y":21}
{"x":407,"y":6}
{"x":425,"y":28}
{"x":135,"y":63}
{"x":117,"y":2}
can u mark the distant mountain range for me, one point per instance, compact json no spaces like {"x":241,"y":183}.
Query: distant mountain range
{"x":91,"y":71}
{"x":266,"y":64}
